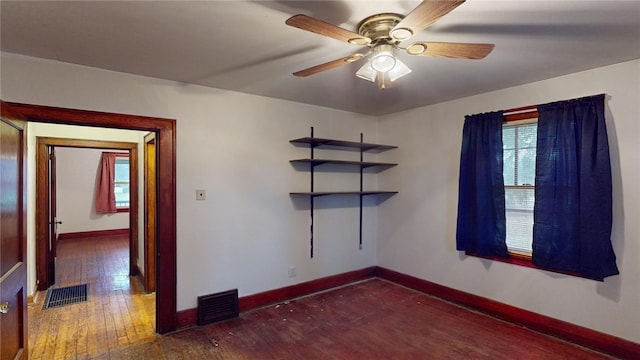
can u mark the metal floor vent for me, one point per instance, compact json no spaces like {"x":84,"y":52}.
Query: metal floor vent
{"x":218,"y":307}
{"x":66,"y":296}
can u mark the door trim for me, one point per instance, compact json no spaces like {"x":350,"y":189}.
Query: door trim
{"x":165,"y":130}
{"x":150,"y":179}
{"x":44,"y":258}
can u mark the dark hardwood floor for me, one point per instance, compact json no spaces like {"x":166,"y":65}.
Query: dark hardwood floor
{"x":374,"y":319}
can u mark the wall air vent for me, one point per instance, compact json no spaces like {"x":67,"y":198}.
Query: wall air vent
{"x":218,"y":307}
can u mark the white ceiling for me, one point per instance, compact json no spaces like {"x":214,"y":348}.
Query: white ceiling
{"x":245,"y":46}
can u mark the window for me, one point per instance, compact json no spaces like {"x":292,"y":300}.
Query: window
{"x":556,"y":167}
{"x":112,"y":183}
{"x":519,"y":169}
{"x":121,"y":183}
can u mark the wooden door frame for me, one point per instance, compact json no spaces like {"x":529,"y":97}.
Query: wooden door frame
{"x":50,"y":227}
{"x":43,"y":261}
{"x":165,"y":130}
{"x":149,"y":241}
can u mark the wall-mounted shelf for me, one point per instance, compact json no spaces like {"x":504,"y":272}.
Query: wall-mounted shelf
{"x":314,"y":142}
{"x":363,"y":164}
{"x":327,"y":193}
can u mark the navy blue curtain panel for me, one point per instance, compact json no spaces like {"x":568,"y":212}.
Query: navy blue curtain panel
{"x":573,"y":206}
{"x":481,"y":226}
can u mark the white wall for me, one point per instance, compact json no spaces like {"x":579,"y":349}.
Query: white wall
{"x":76,"y":174}
{"x":249,"y":231}
{"x":35,"y":130}
{"x":417,"y":227}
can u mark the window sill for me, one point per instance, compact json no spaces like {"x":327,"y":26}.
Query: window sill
{"x":122,"y":210}
{"x":523,"y":259}
{"x":520,"y":259}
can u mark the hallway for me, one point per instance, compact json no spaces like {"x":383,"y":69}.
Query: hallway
{"x":118,"y":313}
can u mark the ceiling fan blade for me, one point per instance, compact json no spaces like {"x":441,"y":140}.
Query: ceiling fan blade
{"x":450,"y":50}
{"x":425,"y":14}
{"x":314,"y":25}
{"x":329,"y":65}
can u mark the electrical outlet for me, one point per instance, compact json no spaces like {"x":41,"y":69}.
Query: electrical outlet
{"x":201,"y":195}
{"x":292,"y":271}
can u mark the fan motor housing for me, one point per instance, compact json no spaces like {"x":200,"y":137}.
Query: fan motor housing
{"x":376,"y":27}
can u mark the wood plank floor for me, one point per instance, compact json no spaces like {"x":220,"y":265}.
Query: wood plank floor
{"x":118,"y":313}
{"x":373,"y":319}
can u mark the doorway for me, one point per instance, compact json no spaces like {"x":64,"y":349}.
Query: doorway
{"x":46,"y":203}
{"x":165,"y":142}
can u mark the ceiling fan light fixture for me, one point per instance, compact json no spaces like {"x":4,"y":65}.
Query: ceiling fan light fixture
{"x":383,"y":33}
{"x":401,"y":33}
{"x":383,"y":63}
{"x":383,"y":59}
{"x":398,"y":71}
{"x":383,"y":66}
{"x":367,"y":72}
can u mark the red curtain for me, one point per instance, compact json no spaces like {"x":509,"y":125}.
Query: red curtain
{"x":105,"y":197}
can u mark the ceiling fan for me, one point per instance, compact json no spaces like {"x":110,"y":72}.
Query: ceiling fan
{"x":382,"y":34}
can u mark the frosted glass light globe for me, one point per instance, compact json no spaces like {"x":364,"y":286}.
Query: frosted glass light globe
{"x":383,"y":61}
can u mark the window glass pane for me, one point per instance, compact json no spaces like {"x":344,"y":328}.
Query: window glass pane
{"x":519,"y":214}
{"x":121,"y":188}
{"x":122,"y":169}
{"x":122,"y":195}
{"x":508,"y":151}
{"x":527,"y":136}
{"x":519,"y":169}
{"x":526,"y":167}
{"x":509,"y":171}
{"x":526,"y":148}
{"x":508,"y":137}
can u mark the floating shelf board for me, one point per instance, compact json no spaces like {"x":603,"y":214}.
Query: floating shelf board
{"x":327,"y":193}
{"x":363,"y":164}
{"x":315,"y":142}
